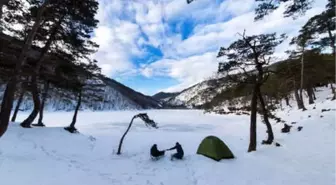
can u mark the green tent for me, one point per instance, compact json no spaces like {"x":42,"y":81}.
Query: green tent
{"x":214,"y":148}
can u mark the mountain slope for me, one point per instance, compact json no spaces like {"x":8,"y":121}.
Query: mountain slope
{"x":203,"y":92}
{"x":164,"y":96}
{"x":115,"y":96}
{"x":142,"y":101}
{"x":199,"y":94}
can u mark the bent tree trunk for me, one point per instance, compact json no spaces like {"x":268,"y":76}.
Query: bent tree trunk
{"x":253,"y":121}
{"x":44,"y":98}
{"x":8,"y":97}
{"x":266,"y":120}
{"x":36,"y":99}
{"x":122,"y":138}
{"x":17,"y":107}
{"x":35,"y":91}
{"x":72,"y":128}
{"x":74,"y":119}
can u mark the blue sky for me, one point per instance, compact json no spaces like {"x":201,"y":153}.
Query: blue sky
{"x":168,"y":45}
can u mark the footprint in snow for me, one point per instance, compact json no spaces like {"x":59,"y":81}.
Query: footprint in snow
{"x":149,"y":182}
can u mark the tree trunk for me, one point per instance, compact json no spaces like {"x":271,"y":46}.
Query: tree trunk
{"x":287,"y":101}
{"x":253,"y":121}
{"x":297,"y":97}
{"x":122,"y":138}
{"x":35,"y":91}
{"x":266,"y":120}
{"x":17,"y":107}
{"x":301,"y":83}
{"x":298,"y":100}
{"x":8,"y":97}
{"x":310,"y":95}
{"x":333,"y":91}
{"x":36,"y":99}
{"x":74,"y":119}
{"x":313,"y":92}
{"x":44,"y":98}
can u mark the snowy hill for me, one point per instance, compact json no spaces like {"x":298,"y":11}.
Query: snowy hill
{"x":116,"y":96}
{"x":200,"y":93}
{"x":163,"y":96}
{"x":137,"y":99}
{"x":52,"y":156}
{"x":204,"y":92}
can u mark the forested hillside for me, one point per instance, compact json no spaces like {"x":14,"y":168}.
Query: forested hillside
{"x":320,"y":70}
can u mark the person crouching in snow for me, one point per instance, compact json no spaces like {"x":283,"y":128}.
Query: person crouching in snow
{"x":155,"y":153}
{"x":179,"y":151}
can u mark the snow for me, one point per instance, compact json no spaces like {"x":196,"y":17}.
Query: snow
{"x":52,"y":156}
{"x":200,"y":93}
{"x":193,"y":95}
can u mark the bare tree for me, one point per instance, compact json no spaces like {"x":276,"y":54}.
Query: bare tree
{"x":144,"y":117}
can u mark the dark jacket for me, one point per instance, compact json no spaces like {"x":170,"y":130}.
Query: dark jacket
{"x":178,"y":148}
{"x":155,"y":152}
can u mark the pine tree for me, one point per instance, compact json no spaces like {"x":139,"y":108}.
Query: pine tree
{"x":255,"y":51}
{"x":8,"y":97}
{"x":303,"y":40}
{"x":322,"y":24}
{"x":72,"y":22}
{"x":89,"y":88}
{"x":294,"y":8}
{"x":69,"y":25}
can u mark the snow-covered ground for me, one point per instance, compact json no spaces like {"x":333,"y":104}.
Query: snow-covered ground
{"x":51,"y":156}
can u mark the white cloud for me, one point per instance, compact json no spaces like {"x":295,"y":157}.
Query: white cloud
{"x":187,"y":71}
{"x":117,"y":44}
{"x":211,"y":37}
{"x":123,"y":25}
{"x":236,"y":7}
